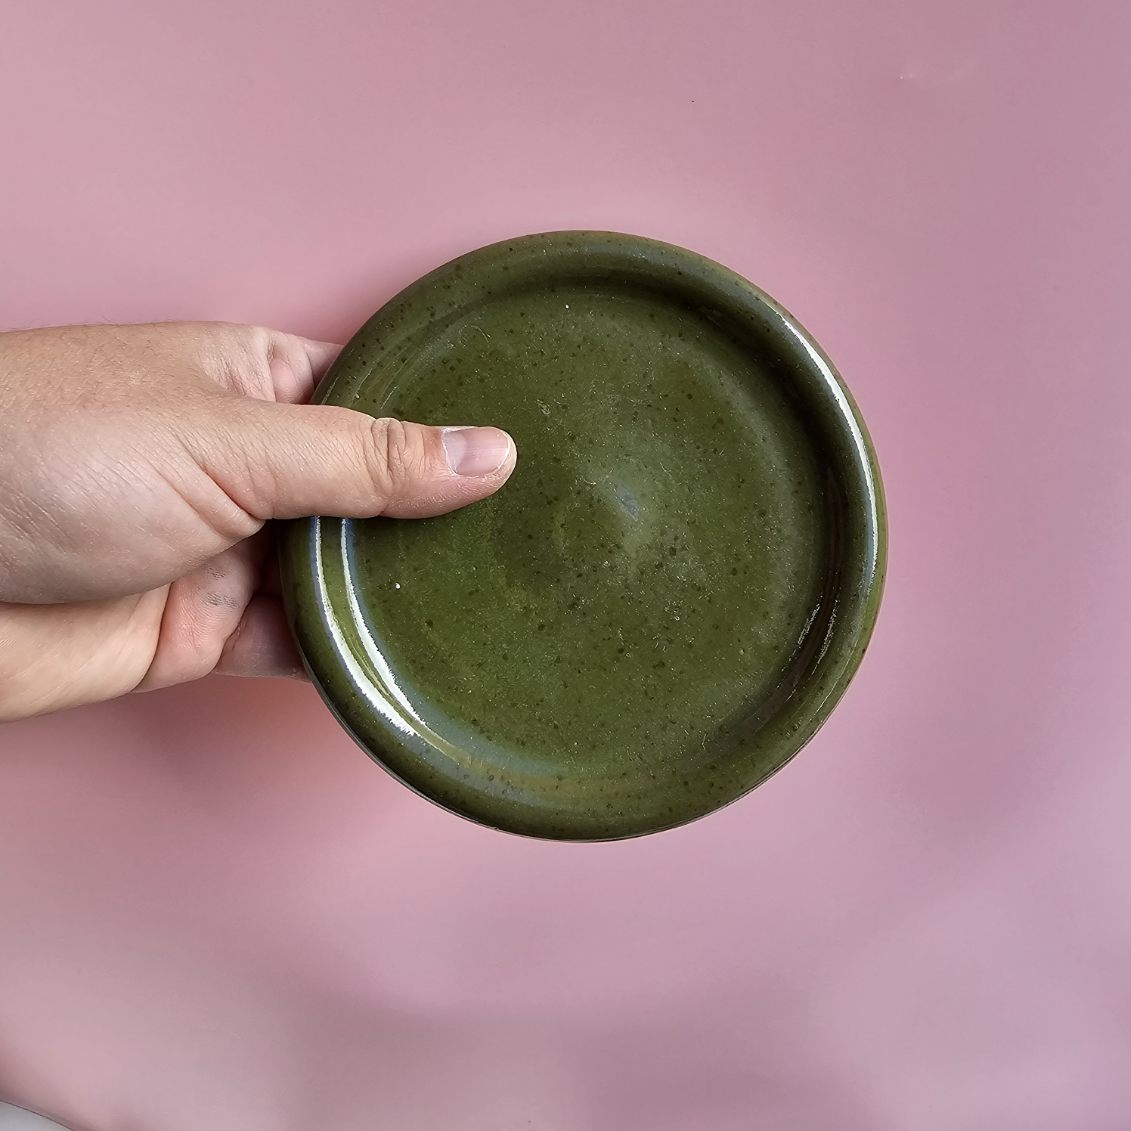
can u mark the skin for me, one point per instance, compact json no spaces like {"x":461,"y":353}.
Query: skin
{"x":140,"y":470}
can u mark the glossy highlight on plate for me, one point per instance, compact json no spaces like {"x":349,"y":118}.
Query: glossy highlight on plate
{"x":673,"y":590}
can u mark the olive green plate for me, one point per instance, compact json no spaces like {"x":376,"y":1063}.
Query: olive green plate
{"x":671,"y":593}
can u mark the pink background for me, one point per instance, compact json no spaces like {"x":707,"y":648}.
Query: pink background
{"x":214,"y":912}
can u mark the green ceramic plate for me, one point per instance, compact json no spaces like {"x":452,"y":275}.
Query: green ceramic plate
{"x":673,"y":590}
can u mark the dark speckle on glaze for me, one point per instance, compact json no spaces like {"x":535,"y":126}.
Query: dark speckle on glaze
{"x":671,"y":592}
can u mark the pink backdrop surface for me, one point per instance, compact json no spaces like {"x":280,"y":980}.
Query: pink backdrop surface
{"x":215,"y":912}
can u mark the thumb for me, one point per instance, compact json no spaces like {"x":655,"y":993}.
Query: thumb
{"x":289,"y":461}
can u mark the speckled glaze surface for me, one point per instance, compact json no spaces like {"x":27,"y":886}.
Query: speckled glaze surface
{"x":673,"y":590}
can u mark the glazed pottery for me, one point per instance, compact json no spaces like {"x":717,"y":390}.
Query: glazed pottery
{"x":670,"y":594}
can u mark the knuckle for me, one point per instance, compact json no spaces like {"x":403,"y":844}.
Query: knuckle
{"x":396,"y":454}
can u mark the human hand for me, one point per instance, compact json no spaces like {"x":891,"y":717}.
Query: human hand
{"x":139,"y":466}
